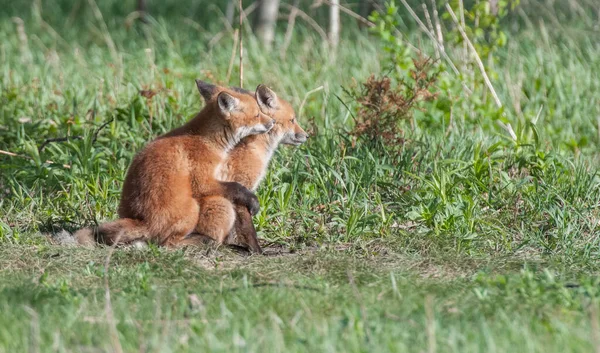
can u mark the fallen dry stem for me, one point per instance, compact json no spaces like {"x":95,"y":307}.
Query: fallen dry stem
{"x":306,"y":97}
{"x":12,"y":154}
{"x":475,"y":55}
{"x":309,"y":20}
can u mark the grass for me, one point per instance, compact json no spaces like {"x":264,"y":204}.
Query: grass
{"x":461,"y":238}
{"x":179,"y":301}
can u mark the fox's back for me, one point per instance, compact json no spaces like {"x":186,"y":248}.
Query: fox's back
{"x":163,"y":172}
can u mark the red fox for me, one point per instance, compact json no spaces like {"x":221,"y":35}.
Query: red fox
{"x":247,"y":163}
{"x":172,"y":174}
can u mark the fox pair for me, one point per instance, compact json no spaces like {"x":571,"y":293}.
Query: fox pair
{"x":197,"y":181}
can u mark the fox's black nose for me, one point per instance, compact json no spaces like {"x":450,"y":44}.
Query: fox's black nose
{"x":302,"y":136}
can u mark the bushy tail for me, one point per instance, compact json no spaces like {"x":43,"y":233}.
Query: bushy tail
{"x":121,"y":231}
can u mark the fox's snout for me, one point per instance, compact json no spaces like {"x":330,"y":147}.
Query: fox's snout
{"x":295,"y":138}
{"x":301,"y":137}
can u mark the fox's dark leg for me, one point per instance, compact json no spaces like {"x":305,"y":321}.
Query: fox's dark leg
{"x":240,"y":195}
{"x":245,"y":231}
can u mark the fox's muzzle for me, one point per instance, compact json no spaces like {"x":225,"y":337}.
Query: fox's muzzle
{"x":295,"y":139}
{"x":301,"y":137}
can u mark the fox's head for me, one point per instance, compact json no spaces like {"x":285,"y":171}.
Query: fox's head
{"x":241,"y":112}
{"x":286,"y":129}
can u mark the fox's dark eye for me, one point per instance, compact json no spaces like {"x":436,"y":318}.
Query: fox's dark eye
{"x":257,"y":116}
{"x":293,"y":120}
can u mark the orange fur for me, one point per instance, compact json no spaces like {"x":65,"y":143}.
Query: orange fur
{"x":248,"y":161}
{"x":174,"y":173}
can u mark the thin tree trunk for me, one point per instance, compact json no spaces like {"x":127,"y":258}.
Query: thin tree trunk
{"x":366,"y":7}
{"x":230,"y":11}
{"x":494,"y":7}
{"x":142,"y":9}
{"x":334,"y":23}
{"x":266,"y":18}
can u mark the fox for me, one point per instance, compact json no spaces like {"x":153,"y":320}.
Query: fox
{"x":172,"y":175}
{"x":247,"y":164}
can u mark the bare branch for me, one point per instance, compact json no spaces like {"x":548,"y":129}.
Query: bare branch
{"x":308,"y":20}
{"x":12,"y":154}
{"x":306,"y":97}
{"x":58,"y":139}
{"x":477,"y":58}
{"x":290,"y":29}
{"x":351,"y":13}
{"x":241,"y":9}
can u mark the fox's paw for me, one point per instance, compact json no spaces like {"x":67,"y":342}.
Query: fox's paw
{"x":253,"y":204}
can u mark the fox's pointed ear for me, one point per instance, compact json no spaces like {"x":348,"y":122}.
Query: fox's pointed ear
{"x":227,"y":103}
{"x":266,"y":98}
{"x":207,"y":90}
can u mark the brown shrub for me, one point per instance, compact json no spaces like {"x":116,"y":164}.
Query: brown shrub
{"x":385,"y":106}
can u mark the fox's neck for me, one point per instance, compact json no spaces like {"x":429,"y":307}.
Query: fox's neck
{"x":215,"y":132}
{"x":219,"y":135}
{"x":265,"y":142}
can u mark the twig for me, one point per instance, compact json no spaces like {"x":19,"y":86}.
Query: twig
{"x":290,"y":29}
{"x":241,"y":9}
{"x":477,"y":59}
{"x":107,"y":38}
{"x":77,"y":137}
{"x":306,"y":97}
{"x":435,"y":41}
{"x":309,"y":20}
{"x":450,"y":123}
{"x":26,"y":56}
{"x":438,"y":27}
{"x":58,"y":139}
{"x":430,"y":24}
{"x":193,"y":24}
{"x":351,"y":13}
{"x":233,"y":52}
{"x":462,"y":22}
{"x":366,"y":21}
{"x":38,"y":13}
{"x":217,"y":37}
{"x":100,"y":129}
{"x":11,"y":154}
